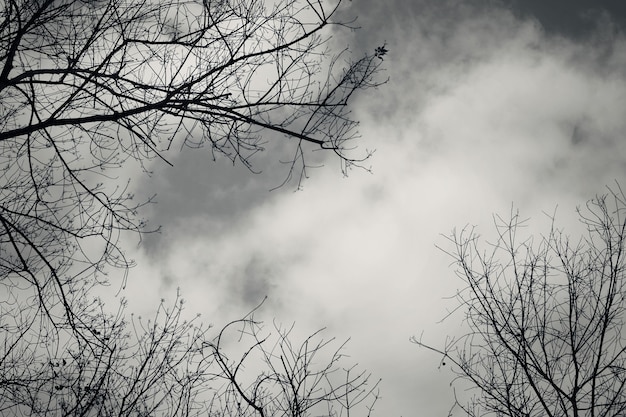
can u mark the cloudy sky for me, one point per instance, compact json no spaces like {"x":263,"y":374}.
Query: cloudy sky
{"x":489,"y":104}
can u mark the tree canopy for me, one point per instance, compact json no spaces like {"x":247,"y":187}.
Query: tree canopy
{"x":545,"y":317}
{"x":90,"y":87}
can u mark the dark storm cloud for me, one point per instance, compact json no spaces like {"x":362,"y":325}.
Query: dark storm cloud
{"x":255,"y":281}
{"x":576,"y":19}
{"x":203,"y":194}
{"x":573,"y":18}
{"x":196,"y":185}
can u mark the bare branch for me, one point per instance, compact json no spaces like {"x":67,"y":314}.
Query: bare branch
{"x":545,"y":317}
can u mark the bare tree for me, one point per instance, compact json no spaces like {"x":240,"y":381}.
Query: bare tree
{"x":166,"y":366}
{"x":91,"y":87}
{"x":88,"y":87}
{"x":545,"y":318}
{"x":294,"y":380}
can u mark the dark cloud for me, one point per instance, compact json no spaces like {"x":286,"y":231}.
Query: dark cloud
{"x":255,"y":282}
{"x":573,"y":18}
{"x":203,"y":194}
{"x":576,"y":19}
{"x":197,"y":184}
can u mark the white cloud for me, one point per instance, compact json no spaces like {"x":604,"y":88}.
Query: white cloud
{"x":479,"y":114}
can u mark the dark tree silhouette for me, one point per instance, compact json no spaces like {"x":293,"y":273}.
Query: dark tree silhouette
{"x":167,"y":366}
{"x":545,"y":318}
{"x":89,"y":88}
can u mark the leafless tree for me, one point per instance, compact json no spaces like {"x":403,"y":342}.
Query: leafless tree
{"x":90,"y":86}
{"x":545,"y":317}
{"x":294,"y":380}
{"x":166,"y":366}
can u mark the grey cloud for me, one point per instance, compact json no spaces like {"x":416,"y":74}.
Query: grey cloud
{"x":201,"y":195}
{"x":454,"y":68}
{"x":248,"y":284}
{"x":577,"y":19}
{"x":255,"y":282}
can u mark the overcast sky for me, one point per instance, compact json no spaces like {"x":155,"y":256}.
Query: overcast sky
{"x":489,"y":104}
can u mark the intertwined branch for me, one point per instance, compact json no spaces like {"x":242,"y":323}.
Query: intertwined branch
{"x":545,"y":318}
{"x":90,"y":87}
{"x":286,"y":379}
{"x":91,"y":90}
{"x":169,"y":366}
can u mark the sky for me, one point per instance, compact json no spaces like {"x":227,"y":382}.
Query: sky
{"x":489,"y":105}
